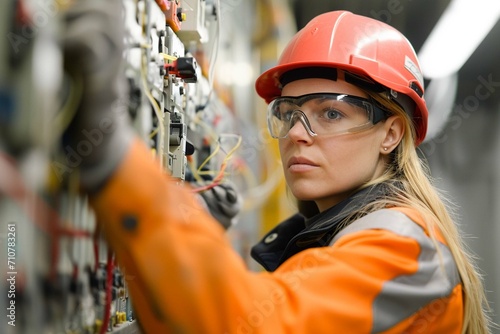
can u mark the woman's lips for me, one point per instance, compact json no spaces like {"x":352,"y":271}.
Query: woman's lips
{"x":300,"y":164}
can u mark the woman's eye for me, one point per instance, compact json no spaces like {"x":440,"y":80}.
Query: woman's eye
{"x":332,"y":114}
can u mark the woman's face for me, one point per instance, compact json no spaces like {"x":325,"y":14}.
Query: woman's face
{"x":327,"y":169}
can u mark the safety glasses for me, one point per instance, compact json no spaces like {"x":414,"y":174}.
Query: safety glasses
{"x":323,"y":114}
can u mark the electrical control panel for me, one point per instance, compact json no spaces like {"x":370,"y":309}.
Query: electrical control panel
{"x":58,"y":275}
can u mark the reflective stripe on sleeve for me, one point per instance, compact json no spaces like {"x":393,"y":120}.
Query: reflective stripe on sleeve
{"x":404,"y":295}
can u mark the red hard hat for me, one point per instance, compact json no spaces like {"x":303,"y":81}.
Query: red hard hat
{"x":359,"y":45}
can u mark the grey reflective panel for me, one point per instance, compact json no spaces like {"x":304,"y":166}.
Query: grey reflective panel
{"x":435,"y":277}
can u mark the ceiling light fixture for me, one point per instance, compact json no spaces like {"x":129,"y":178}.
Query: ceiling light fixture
{"x":459,"y":31}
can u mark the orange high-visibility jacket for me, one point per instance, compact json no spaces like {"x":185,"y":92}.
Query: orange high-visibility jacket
{"x":381,"y":274}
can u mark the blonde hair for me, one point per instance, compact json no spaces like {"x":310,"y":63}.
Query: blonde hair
{"x":409,"y":178}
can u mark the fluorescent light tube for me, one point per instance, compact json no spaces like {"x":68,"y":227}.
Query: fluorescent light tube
{"x":462,"y":27}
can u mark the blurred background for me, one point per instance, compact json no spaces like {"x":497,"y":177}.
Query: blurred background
{"x":216,"y":106}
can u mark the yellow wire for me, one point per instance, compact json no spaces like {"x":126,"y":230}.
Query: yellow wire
{"x":151,"y":98}
{"x":213,"y":136}
{"x":220,"y":175}
{"x":215,"y":151}
{"x":207,"y":128}
{"x":235,"y":147}
{"x":195,"y":171}
{"x":144,"y":82}
{"x":154,"y":132}
{"x":155,"y":105}
{"x":168,"y":57}
{"x":226,"y":158}
{"x":68,"y":111}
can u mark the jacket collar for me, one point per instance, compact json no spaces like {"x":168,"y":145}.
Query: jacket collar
{"x":296,"y":233}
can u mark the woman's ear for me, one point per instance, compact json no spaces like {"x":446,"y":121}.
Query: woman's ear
{"x":394,"y":130}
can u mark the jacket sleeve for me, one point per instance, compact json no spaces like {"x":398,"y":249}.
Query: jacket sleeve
{"x":184,"y":276}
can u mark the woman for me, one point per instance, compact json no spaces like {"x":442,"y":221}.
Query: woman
{"x":374,"y":249}
{"x":335,"y":155}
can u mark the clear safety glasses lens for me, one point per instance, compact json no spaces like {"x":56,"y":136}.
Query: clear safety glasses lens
{"x":322,"y":114}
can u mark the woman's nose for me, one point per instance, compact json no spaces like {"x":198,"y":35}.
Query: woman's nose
{"x":302,"y":131}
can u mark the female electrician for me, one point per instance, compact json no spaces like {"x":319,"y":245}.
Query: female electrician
{"x":374,"y":250}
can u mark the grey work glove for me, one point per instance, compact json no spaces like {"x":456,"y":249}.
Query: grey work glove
{"x":223,"y":202}
{"x":99,"y":135}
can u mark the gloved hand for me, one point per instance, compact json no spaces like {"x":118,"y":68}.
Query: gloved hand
{"x":99,"y":135}
{"x":223,"y":202}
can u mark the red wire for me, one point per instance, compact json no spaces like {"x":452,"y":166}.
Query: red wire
{"x":43,"y":216}
{"x":22,"y":17}
{"x":46,"y":218}
{"x":203,"y":188}
{"x":75,"y":233}
{"x":96,"y":249}
{"x":215,"y":182}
